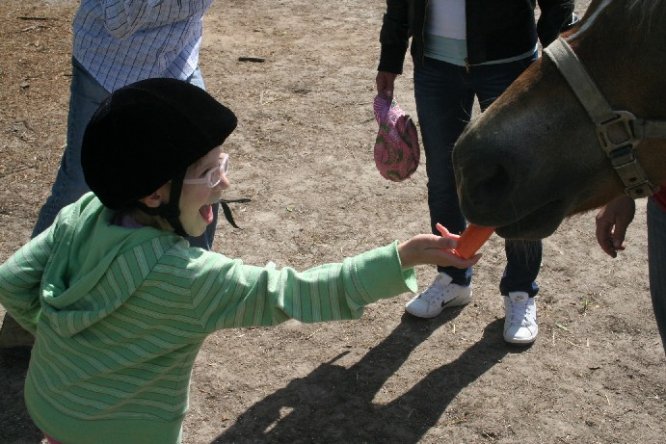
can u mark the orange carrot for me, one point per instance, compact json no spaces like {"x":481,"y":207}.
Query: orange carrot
{"x":472,"y":239}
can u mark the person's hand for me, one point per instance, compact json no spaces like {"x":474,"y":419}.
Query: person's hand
{"x":432,"y":249}
{"x":385,"y":81}
{"x":612,"y":222}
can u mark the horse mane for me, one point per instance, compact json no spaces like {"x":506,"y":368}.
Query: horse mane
{"x":650,"y":5}
{"x":647,"y":10}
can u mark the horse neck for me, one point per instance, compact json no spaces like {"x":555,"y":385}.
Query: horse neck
{"x":621,"y":44}
{"x":652,"y":156}
{"x":623,"y":49}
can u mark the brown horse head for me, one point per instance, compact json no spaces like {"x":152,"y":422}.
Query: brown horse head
{"x":533,"y":157}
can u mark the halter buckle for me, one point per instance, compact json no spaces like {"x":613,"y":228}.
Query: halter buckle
{"x":618,"y":139}
{"x":617,"y":134}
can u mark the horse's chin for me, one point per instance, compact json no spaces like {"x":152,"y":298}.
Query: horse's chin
{"x":538,"y":224}
{"x":520,"y":230}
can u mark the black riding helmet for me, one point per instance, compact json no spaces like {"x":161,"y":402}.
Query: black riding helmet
{"x":147,"y":134}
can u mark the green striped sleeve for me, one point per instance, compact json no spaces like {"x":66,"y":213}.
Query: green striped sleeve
{"x":20,"y":279}
{"x":228,"y":293}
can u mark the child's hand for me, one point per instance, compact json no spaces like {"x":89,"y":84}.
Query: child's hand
{"x":431,"y":249}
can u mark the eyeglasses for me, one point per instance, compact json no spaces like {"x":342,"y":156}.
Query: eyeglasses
{"x":214,"y":175}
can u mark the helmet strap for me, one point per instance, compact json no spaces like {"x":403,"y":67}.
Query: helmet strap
{"x":170,"y":210}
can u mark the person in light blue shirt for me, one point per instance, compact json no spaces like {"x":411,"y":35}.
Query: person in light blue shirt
{"x":115,"y":43}
{"x":120,"y":42}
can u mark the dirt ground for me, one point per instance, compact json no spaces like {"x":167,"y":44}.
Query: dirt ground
{"x":303,"y":153}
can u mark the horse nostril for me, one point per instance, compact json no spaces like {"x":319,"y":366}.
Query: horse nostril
{"x":489,"y":185}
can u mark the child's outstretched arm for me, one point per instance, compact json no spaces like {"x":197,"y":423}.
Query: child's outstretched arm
{"x":432,"y":249}
{"x":232,"y":294}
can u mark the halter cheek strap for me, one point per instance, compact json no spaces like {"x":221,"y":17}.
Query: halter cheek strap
{"x":619,"y":132}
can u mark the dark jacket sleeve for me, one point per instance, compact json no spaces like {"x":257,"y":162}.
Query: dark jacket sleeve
{"x":556,"y":16}
{"x":394,"y":36}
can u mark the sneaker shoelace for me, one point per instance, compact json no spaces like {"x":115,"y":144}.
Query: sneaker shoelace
{"x":521,"y":311}
{"x":436,"y":292}
{"x":441,"y":292}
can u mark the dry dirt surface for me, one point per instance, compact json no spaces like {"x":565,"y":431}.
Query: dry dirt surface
{"x":303,"y":154}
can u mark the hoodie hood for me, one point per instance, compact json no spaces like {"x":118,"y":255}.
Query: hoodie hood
{"x":86,"y":243}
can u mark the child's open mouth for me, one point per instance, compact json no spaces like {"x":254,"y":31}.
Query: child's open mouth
{"x":206,"y":212}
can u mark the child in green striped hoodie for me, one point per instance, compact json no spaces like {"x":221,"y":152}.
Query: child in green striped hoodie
{"x":120,"y":303}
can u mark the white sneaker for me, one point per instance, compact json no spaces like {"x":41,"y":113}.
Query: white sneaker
{"x":440,"y":295}
{"x":520,"y":322}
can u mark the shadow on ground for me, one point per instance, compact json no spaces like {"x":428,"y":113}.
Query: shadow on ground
{"x":15,"y":424}
{"x":332,"y":403}
{"x":328,"y":405}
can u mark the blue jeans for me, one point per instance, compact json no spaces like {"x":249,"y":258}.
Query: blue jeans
{"x":86,"y":94}
{"x":656,"y":224}
{"x":444,"y":99}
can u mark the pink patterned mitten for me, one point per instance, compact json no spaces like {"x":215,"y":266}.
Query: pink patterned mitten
{"x":397,"y":152}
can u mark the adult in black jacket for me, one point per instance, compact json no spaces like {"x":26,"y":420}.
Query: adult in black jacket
{"x":462,"y":49}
